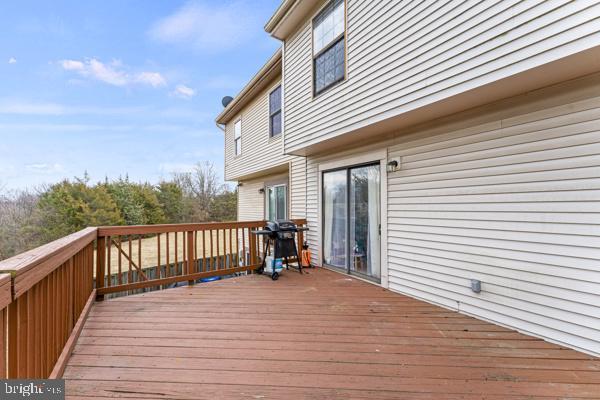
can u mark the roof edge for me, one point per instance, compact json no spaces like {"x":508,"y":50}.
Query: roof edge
{"x":242,"y":98}
{"x":278,"y":15}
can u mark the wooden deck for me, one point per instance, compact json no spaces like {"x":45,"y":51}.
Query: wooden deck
{"x":320,"y":335}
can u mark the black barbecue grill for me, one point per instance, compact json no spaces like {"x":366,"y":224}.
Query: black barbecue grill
{"x":280,"y":237}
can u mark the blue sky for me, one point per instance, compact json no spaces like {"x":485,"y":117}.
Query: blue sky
{"x":120,"y":87}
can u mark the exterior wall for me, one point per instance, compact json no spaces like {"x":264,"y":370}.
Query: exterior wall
{"x":259,"y":150}
{"x":297,"y":189}
{"x":508,"y":194}
{"x":251,"y":203}
{"x":403,"y":55}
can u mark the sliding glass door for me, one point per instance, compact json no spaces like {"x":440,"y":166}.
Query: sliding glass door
{"x":351,"y":220}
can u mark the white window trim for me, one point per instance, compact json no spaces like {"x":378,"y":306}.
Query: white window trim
{"x":314,"y":56}
{"x":280,"y":87}
{"x":345,"y":161}
{"x":236,"y":138}
{"x":267,"y":187}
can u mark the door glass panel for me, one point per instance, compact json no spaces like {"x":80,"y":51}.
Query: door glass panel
{"x":271,"y":205}
{"x":281,"y":203}
{"x":364,"y":220}
{"x":334,"y":218}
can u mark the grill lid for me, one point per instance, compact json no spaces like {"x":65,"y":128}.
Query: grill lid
{"x":281,"y":225}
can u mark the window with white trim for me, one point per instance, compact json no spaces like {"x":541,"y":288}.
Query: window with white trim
{"x":329,"y":51}
{"x":275,"y":112}
{"x":276,"y":202}
{"x":237,"y":137}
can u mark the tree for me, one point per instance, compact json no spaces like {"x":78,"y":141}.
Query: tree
{"x":67,"y":207}
{"x":200,"y":187}
{"x":172,"y":202}
{"x":18,"y":225}
{"x":137,"y":202}
{"x":224,"y":206}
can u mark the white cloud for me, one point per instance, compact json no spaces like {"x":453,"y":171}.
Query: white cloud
{"x":113,"y":73}
{"x":72,"y":65}
{"x":208,"y":26}
{"x":12,"y":60}
{"x":44,"y":168}
{"x":153,"y":79}
{"x":15,"y":106}
{"x":183,"y":92}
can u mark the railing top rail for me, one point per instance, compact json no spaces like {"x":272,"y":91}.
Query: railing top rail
{"x":5,"y":291}
{"x":164,"y":228}
{"x":32,"y":266}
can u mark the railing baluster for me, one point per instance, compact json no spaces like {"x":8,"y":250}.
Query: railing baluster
{"x":139,"y":258}
{"x":176,"y":255}
{"x":168,"y":265}
{"x":191,"y":261}
{"x":109,"y":262}
{"x":184,"y":266}
{"x":204,"y":265}
{"x":130,"y":273}
{"x":158,"y":256}
{"x":119,"y":261}
{"x":212,"y":260}
{"x":230,"y":248}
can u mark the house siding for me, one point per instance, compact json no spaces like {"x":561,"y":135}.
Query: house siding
{"x":259,"y":150}
{"x":251,"y":203}
{"x":509,"y":194}
{"x":403,"y":55}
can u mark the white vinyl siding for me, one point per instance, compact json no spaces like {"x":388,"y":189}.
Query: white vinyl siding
{"x":515,"y":204}
{"x":509,"y":194}
{"x":403,"y":55}
{"x":260,"y":151}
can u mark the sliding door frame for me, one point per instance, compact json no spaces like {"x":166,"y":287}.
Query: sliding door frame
{"x":369,"y":158}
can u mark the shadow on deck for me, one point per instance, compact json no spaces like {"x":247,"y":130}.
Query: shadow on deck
{"x":321,"y":335}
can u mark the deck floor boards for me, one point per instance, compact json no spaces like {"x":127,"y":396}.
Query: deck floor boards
{"x":321,"y":335}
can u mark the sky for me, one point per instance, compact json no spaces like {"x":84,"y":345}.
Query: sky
{"x":120,"y":87}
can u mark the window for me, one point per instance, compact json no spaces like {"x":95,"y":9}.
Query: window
{"x":275,"y":112}
{"x":329,"y":55}
{"x":276,"y":202}
{"x":237,"y":137}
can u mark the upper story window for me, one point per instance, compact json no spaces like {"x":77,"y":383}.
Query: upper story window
{"x":275,"y":112}
{"x":237,"y":137}
{"x":329,"y":53}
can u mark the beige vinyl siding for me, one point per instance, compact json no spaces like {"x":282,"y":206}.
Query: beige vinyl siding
{"x":251,"y":203}
{"x":297,"y":188}
{"x":259,"y":150}
{"x":403,"y":55}
{"x":514,"y":203}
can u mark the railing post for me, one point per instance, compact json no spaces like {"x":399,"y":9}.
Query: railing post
{"x":100,"y":265}
{"x":70,"y":296}
{"x":252,"y":242}
{"x":13,"y":335}
{"x":190,"y":255}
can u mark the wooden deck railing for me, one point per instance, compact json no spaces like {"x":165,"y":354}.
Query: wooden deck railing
{"x":48,"y":288}
{"x":46,"y":293}
{"x":139,"y":257}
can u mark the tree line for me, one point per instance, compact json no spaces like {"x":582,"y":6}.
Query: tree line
{"x":29,"y":218}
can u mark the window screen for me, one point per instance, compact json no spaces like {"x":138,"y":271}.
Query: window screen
{"x":329,"y":46}
{"x":275,"y":112}
{"x":237,"y":137}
